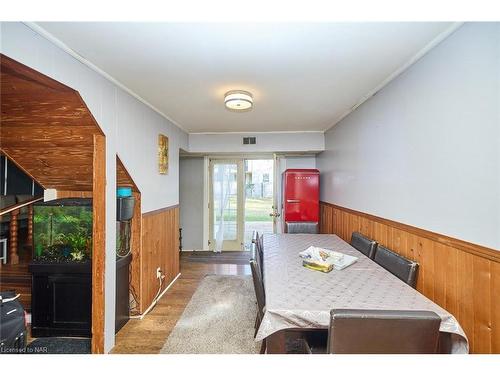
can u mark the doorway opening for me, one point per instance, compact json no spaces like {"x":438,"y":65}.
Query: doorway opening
{"x":259,"y":199}
{"x":241,"y":201}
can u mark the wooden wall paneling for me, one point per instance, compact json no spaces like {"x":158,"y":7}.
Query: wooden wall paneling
{"x":427,"y":262}
{"x":322,"y":220}
{"x":451,"y":287}
{"x":495,"y":307}
{"x":160,"y":248}
{"x":99,"y":244}
{"x":149,"y":244}
{"x":47,"y":129}
{"x":440,"y":269}
{"x":335,"y":220}
{"x":366,"y":227}
{"x":415,"y":252}
{"x":466,"y":295}
{"x":353,"y":225}
{"x":461,"y":277}
{"x":482,"y":305}
{"x":326,"y":219}
{"x":380,"y":231}
{"x":176,"y":250}
{"x":345,"y":225}
{"x":399,"y":241}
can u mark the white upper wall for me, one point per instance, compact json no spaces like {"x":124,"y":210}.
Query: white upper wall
{"x":425,"y":151}
{"x":266,"y":142}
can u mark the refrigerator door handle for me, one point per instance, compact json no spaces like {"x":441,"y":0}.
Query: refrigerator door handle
{"x":293,"y":201}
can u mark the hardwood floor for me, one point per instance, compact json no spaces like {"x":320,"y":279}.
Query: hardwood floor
{"x":149,"y":334}
{"x":226,"y":257}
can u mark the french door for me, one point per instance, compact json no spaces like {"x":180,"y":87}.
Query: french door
{"x":226,"y":204}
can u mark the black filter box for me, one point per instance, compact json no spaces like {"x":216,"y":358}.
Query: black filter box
{"x":124,"y":208}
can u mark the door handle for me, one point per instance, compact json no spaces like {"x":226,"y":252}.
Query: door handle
{"x":293,"y":201}
{"x":275,"y":213}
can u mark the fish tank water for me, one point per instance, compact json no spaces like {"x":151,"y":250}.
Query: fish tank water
{"x":62,"y":231}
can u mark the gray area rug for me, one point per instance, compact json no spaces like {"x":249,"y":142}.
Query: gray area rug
{"x":219,"y":319}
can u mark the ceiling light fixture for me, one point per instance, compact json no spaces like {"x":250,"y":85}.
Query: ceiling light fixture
{"x":238,"y":100}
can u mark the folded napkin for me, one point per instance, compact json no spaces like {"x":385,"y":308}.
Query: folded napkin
{"x":324,"y":260}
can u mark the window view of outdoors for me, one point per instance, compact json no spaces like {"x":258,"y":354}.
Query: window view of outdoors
{"x":258,"y":198}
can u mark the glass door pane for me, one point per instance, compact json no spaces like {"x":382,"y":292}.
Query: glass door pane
{"x":226,"y":205}
{"x":259,"y":175}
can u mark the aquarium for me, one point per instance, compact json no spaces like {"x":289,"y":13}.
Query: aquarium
{"x":62,"y":231}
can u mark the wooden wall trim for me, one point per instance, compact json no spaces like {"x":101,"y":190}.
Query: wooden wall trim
{"x":469,"y":247}
{"x":99,"y":242}
{"x":463,"y":280}
{"x":159,"y":210}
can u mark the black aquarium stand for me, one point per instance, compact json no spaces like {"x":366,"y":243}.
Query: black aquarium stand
{"x":61,"y":299}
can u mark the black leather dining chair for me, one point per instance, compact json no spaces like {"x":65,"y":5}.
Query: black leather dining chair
{"x":258,"y":285}
{"x":363,"y":244}
{"x":381,"y":332}
{"x":260,"y":252}
{"x":399,"y":266}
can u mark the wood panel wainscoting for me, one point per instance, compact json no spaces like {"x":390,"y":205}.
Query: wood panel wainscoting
{"x":461,"y":277}
{"x":160,"y":248}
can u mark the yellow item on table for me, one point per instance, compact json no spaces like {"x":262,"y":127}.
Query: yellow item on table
{"x":322,"y":267}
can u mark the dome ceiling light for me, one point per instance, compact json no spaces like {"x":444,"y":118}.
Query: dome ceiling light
{"x":238,"y":100}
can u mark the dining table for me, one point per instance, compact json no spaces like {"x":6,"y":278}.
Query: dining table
{"x":300,"y":299}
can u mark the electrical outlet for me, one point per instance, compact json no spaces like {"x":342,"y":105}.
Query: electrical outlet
{"x":158,"y":273}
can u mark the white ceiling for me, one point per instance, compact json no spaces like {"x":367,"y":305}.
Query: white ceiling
{"x":303,"y":76}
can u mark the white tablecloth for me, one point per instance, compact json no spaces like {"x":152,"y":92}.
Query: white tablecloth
{"x":297,"y":297}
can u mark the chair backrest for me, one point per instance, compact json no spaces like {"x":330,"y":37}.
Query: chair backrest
{"x":308,"y":227}
{"x":260,"y":242}
{"x":258,"y":285}
{"x":399,"y":266}
{"x":363,"y":244}
{"x":255,"y":245}
{"x":383,"y":332}
{"x":260,"y":252}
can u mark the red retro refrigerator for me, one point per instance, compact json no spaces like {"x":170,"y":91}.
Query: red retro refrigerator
{"x":300,"y":200}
